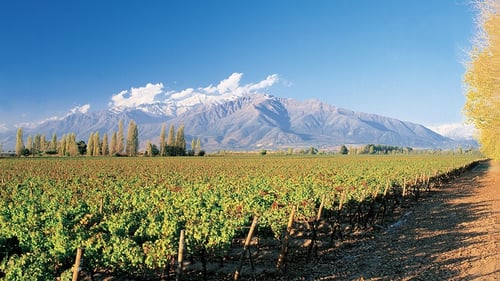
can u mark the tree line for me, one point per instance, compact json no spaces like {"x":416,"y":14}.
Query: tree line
{"x":375,"y":149}
{"x":173,"y":144}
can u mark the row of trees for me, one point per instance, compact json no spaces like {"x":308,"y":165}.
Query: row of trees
{"x":482,"y":79}
{"x":39,"y":145}
{"x":68,"y":146}
{"x":173,"y":144}
{"x":375,"y":149}
{"x":97,"y":146}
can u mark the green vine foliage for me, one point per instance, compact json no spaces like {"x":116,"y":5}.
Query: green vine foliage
{"x":127,"y":213}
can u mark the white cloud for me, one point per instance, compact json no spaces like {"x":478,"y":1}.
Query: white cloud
{"x":230,"y":87}
{"x":455,"y":130}
{"x":3,"y":127}
{"x":80,"y":109}
{"x":137,"y":96}
{"x":268,"y":82}
{"x":230,"y":84}
{"x":151,"y":92}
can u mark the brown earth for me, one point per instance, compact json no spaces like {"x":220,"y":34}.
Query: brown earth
{"x":453,"y":233}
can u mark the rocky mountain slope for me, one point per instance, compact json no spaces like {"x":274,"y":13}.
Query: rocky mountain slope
{"x":247,"y":122}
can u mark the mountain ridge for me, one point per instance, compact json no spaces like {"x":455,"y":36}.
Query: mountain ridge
{"x":247,"y":121}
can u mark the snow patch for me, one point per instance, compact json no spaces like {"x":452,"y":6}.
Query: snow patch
{"x":456,"y":131}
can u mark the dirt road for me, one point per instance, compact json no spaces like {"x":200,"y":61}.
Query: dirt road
{"x":452,"y":234}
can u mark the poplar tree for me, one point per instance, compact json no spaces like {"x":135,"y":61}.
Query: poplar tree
{"x":112,"y":145}
{"x":30,"y":144}
{"x":132,"y":139}
{"x":72,"y":145}
{"x":67,"y":142}
{"x":162,"y":139}
{"x":170,"y":147}
{"x":119,"y":138}
{"x":37,"y":144}
{"x":105,"y":145}
{"x":53,"y":145}
{"x":193,"y":147}
{"x":482,"y":79}
{"x":62,"y":146}
{"x":198,"y":146}
{"x":97,"y":150}
{"x":43,"y":143}
{"x":19,"y":142}
{"x":90,"y":145}
{"x":149,"y":149}
{"x":180,"y":142}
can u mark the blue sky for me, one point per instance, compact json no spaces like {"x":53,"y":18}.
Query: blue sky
{"x":403,"y":59}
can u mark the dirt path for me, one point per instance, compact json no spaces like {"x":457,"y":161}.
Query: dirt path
{"x":452,"y":234}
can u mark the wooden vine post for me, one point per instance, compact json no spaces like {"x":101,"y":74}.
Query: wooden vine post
{"x":315,"y":225}
{"x":320,"y":210}
{"x":180,"y":257}
{"x":246,"y":248}
{"x":404,"y":188}
{"x":342,"y":199}
{"x":76,"y":267}
{"x":386,"y":188}
{"x":284,"y":246}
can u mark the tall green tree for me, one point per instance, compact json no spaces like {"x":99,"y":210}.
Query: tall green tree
{"x":82,"y":147}
{"x":482,"y":79}
{"x":19,"y":142}
{"x":151,"y":149}
{"x":344,"y":150}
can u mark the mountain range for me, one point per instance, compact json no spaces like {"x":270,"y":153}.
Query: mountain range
{"x":226,"y":119}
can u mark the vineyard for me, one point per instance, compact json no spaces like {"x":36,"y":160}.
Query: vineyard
{"x":172,"y":218}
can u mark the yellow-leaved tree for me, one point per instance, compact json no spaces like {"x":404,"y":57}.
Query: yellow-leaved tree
{"x":482,"y":79}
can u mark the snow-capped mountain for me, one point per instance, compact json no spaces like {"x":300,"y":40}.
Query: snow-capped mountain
{"x":233,"y":116}
{"x":250,"y":122}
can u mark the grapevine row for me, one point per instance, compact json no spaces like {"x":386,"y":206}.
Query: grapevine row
{"x":128,"y":213}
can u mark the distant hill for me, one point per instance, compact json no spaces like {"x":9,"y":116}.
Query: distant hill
{"x":247,"y":122}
